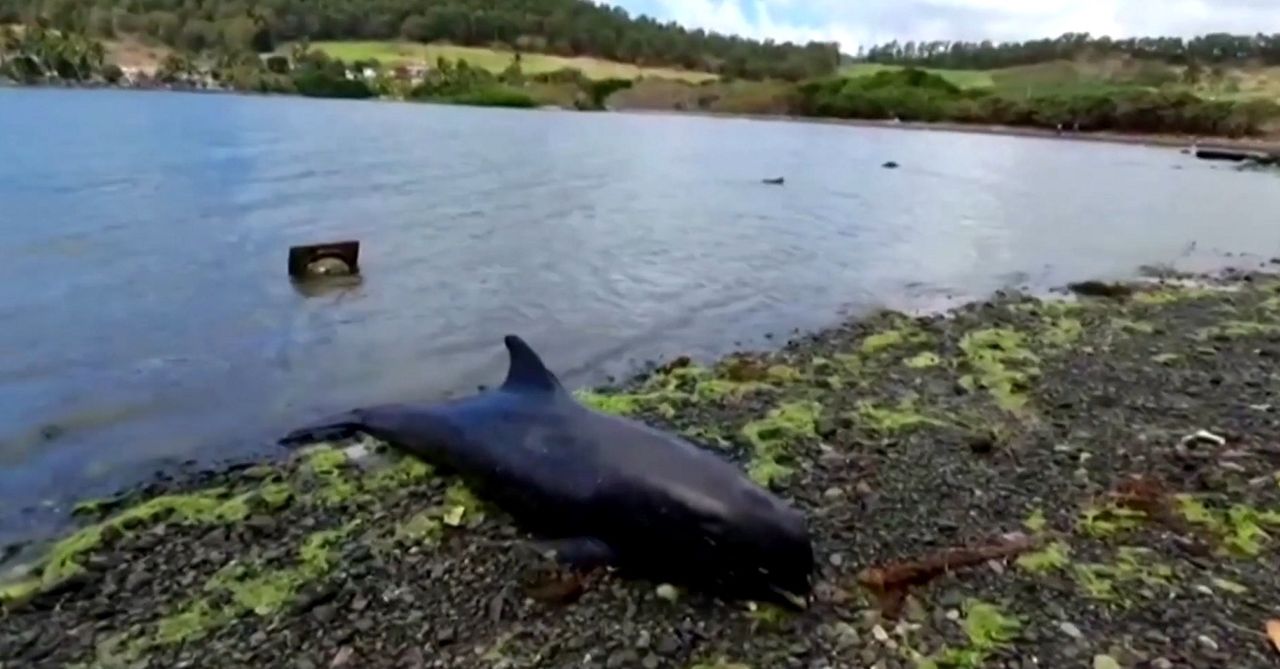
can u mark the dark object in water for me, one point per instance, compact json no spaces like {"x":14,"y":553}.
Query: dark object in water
{"x":1237,"y":156}
{"x":776,"y":182}
{"x":890,"y":165}
{"x":1101,"y":289}
{"x":324,"y":260}
{"x":603,"y":490}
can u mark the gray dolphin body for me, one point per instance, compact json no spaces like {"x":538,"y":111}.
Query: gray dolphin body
{"x":603,"y":489}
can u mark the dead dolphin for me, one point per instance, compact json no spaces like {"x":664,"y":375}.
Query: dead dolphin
{"x":604,"y":490}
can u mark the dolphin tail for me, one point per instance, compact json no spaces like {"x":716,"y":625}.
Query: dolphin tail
{"x":338,"y":427}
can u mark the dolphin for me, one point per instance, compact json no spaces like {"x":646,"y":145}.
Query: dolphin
{"x":602,"y":490}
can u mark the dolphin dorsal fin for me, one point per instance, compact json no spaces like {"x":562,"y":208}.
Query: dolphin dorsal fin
{"x":527,"y":371}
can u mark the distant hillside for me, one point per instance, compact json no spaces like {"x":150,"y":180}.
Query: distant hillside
{"x":1207,"y":50}
{"x":567,"y":28}
{"x":1115,"y":73}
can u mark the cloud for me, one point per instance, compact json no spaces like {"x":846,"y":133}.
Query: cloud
{"x":865,"y":22}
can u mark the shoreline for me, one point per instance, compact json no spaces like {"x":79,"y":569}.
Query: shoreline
{"x":1268,"y":144}
{"x":1075,"y":422}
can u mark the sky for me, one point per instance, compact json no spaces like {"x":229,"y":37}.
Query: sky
{"x":867,"y":22}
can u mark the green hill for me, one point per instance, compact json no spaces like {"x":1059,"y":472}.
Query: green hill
{"x":1102,"y":75}
{"x":564,"y":28}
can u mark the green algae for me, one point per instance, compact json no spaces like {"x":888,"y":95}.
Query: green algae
{"x":664,"y":391}
{"x":403,"y":471}
{"x":924,"y":360}
{"x":1129,"y":326}
{"x":1053,"y":557}
{"x":1061,"y":332}
{"x":999,"y":362}
{"x":208,"y":507}
{"x":20,"y":590}
{"x":1238,"y":529}
{"x":890,"y":421}
{"x":1239,"y":330}
{"x":275,"y":496}
{"x":1134,"y":572}
{"x":247,"y":589}
{"x":622,"y":404}
{"x":328,"y":465}
{"x":462,"y":506}
{"x":771,"y":436}
{"x":195,"y":622}
{"x":1166,"y":295}
{"x":883,"y":341}
{"x":988,"y":628}
{"x":1109,"y":520}
{"x":423,"y":528}
{"x":1035,"y":521}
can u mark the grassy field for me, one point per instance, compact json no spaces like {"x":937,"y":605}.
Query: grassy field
{"x":1101,"y":75}
{"x":393,"y":52}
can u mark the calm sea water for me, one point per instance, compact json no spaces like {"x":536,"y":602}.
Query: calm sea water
{"x":147,"y":318}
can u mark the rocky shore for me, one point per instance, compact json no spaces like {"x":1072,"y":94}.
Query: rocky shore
{"x":1092,"y":481}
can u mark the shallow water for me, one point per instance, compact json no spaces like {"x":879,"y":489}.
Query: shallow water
{"x":148,"y":319}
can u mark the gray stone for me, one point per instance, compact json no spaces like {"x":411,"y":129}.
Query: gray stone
{"x":650,"y":661}
{"x":1161,"y":663}
{"x":446,"y":635}
{"x":914,"y":610}
{"x":668,"y":645}
{"x":1071,"y":630}
{"x":621,"y":659}
{"x":1207,"y":643}
{"x":643,"y":641}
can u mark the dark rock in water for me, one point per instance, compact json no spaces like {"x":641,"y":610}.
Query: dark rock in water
{"x":1100,"y":289}
{"x":775,"y":182}
{"x":890,"y":165}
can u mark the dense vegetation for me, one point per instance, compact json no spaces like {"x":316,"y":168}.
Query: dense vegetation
{"x":915,"y":95}
{"x":564,"y":27}
{"x":1215,"y":49}
{"x":37,"y":55}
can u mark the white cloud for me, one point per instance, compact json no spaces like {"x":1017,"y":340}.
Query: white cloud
{"x":854,"y":22}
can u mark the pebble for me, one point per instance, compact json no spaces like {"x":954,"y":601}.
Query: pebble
{"x":446,"y":635}
{"x":258,"y":638}
{"x":833,"y":494}
{"x":836,"y":559}
{"x":1071,"y":630}
{"x":1208,"y":643}
{"x":643,"y":641}
{"x":1161,"y":663}
{"x":914,"y":610}
{"x":650,"y":661}
{"x":343,"y":657}
{"x":667,"y":645}
{"x":304,"y":663}
{"x":1105,"y":662}
{"x":324,"y":613}
{"x":622,"y":658}
{"x":668,"y":592}
{"x":846,"y":635}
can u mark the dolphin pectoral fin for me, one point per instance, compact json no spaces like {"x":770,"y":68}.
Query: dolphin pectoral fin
{"x":581,"y":553}
{"x":340,"y":427}
{"x":527,"y":371}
